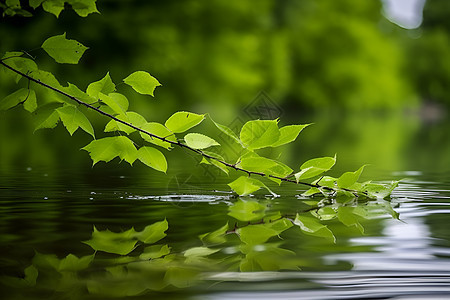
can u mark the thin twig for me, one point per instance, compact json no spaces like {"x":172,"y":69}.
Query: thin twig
{"x":164,"y":139}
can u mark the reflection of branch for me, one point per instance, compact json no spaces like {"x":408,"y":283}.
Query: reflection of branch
{"x":164,"y":139}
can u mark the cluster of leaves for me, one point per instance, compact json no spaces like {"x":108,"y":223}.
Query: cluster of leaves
{"x":66,"y":104}
{"x":55,"y":7}
{"x":132,"y":262}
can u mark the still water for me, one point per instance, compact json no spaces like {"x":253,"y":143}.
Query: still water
{"x":45,"y":215}
{"x":175,"y":236}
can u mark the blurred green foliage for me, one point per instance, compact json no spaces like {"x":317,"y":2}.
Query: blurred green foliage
{"x":429,"y":55}
{"x":216,"y":56}
{"x":306,"y":54}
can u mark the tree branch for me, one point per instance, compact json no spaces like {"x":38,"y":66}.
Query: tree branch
{"x":164,"y":139}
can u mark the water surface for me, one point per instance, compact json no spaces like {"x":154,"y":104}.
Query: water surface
{"x":51,"y":212}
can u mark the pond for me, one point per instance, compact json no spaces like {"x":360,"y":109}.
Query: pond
{"x":175,"y":236}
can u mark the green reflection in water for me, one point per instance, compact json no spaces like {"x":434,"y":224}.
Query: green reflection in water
{"x":256,"y":237}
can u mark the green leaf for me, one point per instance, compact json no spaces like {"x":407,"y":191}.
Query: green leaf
{"x":183,"y":120}
{"x":53,"y":6}
{"x":106,"y":149}
{"x":117,"y":102}
{"x":245,"y":185}
{"x":142,"y":82}
{"x":313,"y":227}
{"x":244,"y":210}
{"x":153,"y":158}
{"x":118,"y":243}
{"x":130,"y":117}
{"x":155,"y":251}
{"x":199,"y":141}
{"x":62,"y":50}
{"x":35,"y":3}
{"x":74,"y":91}
{"x":219,"y":165}
{"x":158,"y":130}
{"x":83,"y":7}
{"x":349,"y":178}
{"x":47,"y":78}
{"x":73,"y":119}
{"x":153,"y":233}
{"x":327,"y":181}
{"x":104,"y":85}
{"x":215,"y":162}
{"x":22,"y":64}
{"x":13,"y":8}
{"x":20,"y":96}
{"x":264,"y":165}
{"x":46,"y":116}
{"x":226,"y":130}
{"x":288,"y":134}
{"x":311,"y":191}
{"x":31,"y":103}
{"x":259,"y":134}
{"x":315,"y":167}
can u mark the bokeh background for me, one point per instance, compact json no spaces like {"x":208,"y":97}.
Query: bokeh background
{"x":373,"y":76}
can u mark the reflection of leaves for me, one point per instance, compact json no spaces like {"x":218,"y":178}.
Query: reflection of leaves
{"x":156,"y":268}
{"x":260,"y":233}
{"x":119,"y":243}
{"x":73,"y":263}
{"x":347,"y":216}
{"x":124,"y":242}
{"x":313,"y":227}
{"x":181,"y":277}
{"x":155,"y":251}
{"x":199,"y":251}
{"x":267,"y":257}
{"x":379,"y":190}
{"x":215,"y":237}
{"x":244,"y":210}
{"x":153,"y":233}
{"x":31,"y":274}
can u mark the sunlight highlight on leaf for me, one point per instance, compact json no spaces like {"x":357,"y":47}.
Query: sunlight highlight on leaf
{"x":182,"y":121}
{"x":199,"y":141}
{"x":142,"y":82}
{"x":62,"y":50}
{"x":73,"y":119}
{"x":259,"y":134}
